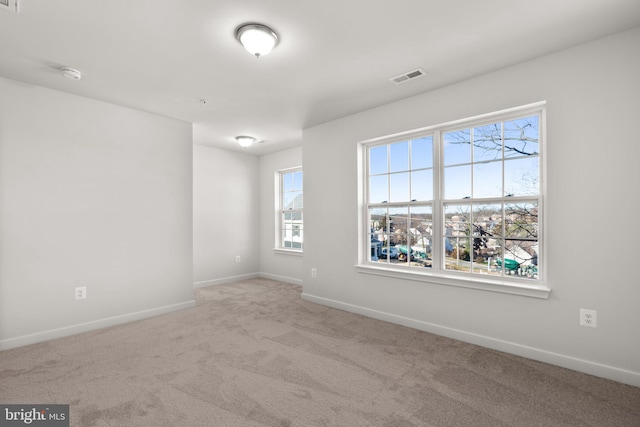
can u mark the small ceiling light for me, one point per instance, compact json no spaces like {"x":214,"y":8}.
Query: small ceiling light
{"x":257,"y":39}
{"x":71,"y":73}
{"x":245,"y":141}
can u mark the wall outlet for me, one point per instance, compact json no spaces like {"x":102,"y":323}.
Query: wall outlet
{"x":588,"y":318}
{"x":314,"y":272}
{"x":81,"y":292}
{"x":238,"y":258}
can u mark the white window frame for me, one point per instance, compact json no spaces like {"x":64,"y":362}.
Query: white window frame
{"x":437,"y":274}
{"x":279,"y":214}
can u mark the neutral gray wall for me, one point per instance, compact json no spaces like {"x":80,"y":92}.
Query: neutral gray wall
{"x":95,"y":195}
{"x":273,"y":264}
{"x":226,"y":209}
{"x":592,"y":236}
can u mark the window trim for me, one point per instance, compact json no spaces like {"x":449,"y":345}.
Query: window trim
{"x":441,"y":276}
{"x":279,"y":211}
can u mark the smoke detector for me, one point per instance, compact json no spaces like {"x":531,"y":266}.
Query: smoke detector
{"x":10,"y":5}
{"x":409,"y":75}
{"x":70,"y":73}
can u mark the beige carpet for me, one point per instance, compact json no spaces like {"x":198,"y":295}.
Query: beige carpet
{"x":254,"y":354}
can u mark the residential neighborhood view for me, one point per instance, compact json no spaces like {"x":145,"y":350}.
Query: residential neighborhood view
{"x":486,"y":179}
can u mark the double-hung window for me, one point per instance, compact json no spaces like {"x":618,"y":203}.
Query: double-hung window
{"x":291,"y":234}
{"x":462,"y":200}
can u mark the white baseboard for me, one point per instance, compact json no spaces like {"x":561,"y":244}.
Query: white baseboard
{"x":284,"y":279}
{"x":224,"y":280}
{"x":90,"y":326}
{"x":569,"y":362}
{"x":232,"y":279}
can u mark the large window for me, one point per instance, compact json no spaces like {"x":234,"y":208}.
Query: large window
{"x":459,"y":200}
{"x":290,"y":210}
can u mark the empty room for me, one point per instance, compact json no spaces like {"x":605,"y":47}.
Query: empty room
{"x":339,"y":213}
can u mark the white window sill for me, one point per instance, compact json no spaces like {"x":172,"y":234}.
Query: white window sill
{"x":294,"y":252}
{"x":524,"y":289}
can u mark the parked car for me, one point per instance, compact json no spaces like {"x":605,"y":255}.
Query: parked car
{"x":391,"y":253}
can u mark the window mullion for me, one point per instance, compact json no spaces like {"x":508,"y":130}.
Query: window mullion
{"x":388,"y":172}
{"x":437,"y":209}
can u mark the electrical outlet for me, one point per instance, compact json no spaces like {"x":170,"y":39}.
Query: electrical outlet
{"x":238,"y":258}
{"x":314,"y":272}
{"x":588,"y":318}
{"x":81,"y":292}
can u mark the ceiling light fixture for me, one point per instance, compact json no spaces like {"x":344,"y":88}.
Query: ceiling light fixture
{"x":245,"y":141}
{"x":71,"y":73}
{"x":257,"y":39}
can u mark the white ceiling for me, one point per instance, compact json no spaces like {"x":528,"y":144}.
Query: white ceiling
{"x":335,"y":57}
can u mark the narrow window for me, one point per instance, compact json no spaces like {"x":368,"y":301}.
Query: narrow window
{"x":290,"y":210}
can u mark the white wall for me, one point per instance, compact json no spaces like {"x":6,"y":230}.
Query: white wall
{"x":95,"y":195}
{"x":593,"y":107}
{"x":226,"y":209}
{"x":273,"y":264}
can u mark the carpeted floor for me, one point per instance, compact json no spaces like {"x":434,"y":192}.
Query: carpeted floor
{"x":253,"y":353}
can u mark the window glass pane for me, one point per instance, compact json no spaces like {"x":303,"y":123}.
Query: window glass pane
{"x":521,"y":221}
{"x":422,"y":153}
{"x":398,"y":222}
{"x":487,"y":142}
{"x":298,"y":201}
{"x":487,"y":222}
{"x":496,"y":260}
{"x":403,"y":252}
{"x":457,"y":182}
{"x":456,"y":240}
{"x":399,"y":186}
{"x":379,"y":189}
{"x":521,"y":258}
{"x":399,"y":153}
{"x":486,"y":219}
{"x":421,"y":230}
{"x":521,"y":137}
{"x":378,"y":225}
{"x":290,"y":200}
{"x":287,"y":182}
{"x":378,"y":160}
{"x":481,"y":264}
{"x":422,"y":185}
{"x":297,"y":181}
{"x":456,"y":220}
{"x":378,"y":220}
{"x":389,"y":254}
{"x":487,"y":179}
{"x":459,"y":259}
{"x":421,"y":223}
{"x":457,"y":147}
{"x":521,"y":177}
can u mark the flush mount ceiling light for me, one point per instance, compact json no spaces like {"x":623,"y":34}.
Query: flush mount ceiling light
{"x":245,"y":141}
{"x":257,"y":39}
{"x":71,"y":73}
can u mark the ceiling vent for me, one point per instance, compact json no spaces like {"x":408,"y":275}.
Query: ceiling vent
{"x":405,"y":77}
{"x":10,"y":5}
